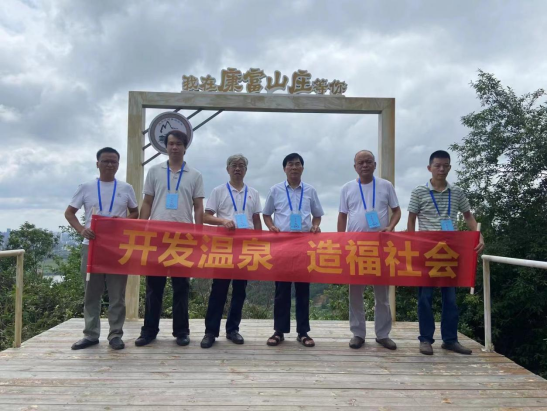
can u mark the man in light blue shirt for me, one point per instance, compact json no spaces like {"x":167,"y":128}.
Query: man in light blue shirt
{"x":296,"y":208}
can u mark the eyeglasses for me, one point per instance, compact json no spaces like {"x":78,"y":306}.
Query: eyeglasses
{"x":296,"y":164}
{"x":109,"y":162}
{"x":240,"y":166}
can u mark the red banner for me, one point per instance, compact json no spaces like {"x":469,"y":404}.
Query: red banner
{"x":162,"y":248}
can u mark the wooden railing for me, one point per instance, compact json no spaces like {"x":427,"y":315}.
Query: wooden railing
{"x":19,"y":254}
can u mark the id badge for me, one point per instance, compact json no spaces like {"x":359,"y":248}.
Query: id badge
{"x":241,"y":221}
{"x":447,"y":225}
{"x":295,"y":223}
{"x":372,"y":218}
{"x":172,"y":201}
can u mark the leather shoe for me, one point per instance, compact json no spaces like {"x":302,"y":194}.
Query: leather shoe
{"x":116,"y":343}
{"x":356,"y":342}
{"x":387,"y":343}
{"x":84,"y":343}
{"x":235,"y":337}
{"x":426,"y":348}
{"x":456,"y":347}
{"x":183,"y":340}
{"x":207,"y":341}
{"x":143,"y":340}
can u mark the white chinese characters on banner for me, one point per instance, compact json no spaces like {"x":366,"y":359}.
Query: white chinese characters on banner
{"x":232,"y":81}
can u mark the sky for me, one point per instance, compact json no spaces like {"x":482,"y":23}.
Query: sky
{"x":66,"y":68}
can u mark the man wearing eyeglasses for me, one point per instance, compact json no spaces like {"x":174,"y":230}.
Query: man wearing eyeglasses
{"x":296,"y":208}
{"x":236,"y":206}
{"x":110,"y":198}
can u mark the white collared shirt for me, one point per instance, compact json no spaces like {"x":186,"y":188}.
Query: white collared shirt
{"x":277,"y":204}
{"x":220,"y":203}
{"x":352,"y":204}
{"x":191,"y":187}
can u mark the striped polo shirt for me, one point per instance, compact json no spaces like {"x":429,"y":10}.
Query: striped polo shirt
{"x":421,"y":204}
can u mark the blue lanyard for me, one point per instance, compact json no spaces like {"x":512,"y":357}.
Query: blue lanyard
{"x":289,"y":199}
{"x":178,"y":181}
{"x":361,"y":192}
{"x":436,"y":204}
{"x":232,"y":197}
{"x":99,"y":195}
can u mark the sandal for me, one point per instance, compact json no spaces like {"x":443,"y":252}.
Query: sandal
{"x":275,"y":339}
{"x":306,"y":341}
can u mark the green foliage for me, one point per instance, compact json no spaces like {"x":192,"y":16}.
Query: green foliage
{"x":37,"y":243}
{"x":503,"y":170}
{"x":45,"y":303}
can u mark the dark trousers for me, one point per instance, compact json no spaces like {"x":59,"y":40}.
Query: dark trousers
{"x":282,"y":307}
{"x":153,"y":305}
{"x":217,"y":300}
{"x":449,"y":315}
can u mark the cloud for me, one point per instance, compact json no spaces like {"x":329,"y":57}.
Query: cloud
{"x":66,"y":68}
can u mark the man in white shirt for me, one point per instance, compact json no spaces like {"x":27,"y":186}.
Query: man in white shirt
{"x":110,"y":198}
{"x":297,"y":208}
{"x":172,"y":191}
{"x":233,"y":205}
{"x":364,"y":207}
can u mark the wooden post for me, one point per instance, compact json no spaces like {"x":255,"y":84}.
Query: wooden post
{"x":135,"y":177}
{"x":487,"y":305}
{"x":386,"y":163}
{"x":18,"y":300}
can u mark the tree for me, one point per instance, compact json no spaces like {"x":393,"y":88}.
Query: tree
{"x":503,"y":170}
{"x":37,"y":243}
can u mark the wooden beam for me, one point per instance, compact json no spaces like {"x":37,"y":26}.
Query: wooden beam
{"x":282,"y":103}
{"x":135,"y":177}
{"x":386,"y":163}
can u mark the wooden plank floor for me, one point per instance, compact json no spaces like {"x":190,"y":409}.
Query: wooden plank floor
{"x":45,"y":374}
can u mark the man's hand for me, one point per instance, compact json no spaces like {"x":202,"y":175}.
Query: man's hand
{"x":387,"y":229}
{"x":481,"y":245}
{"x":87,"y":233}
{"x":315,"y":229}
{"x":229,"y":225}
{"x":274,"y":229}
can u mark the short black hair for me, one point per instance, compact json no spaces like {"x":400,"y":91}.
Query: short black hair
{"x":439,"y":154}
{"x":293,"y":156}
{"x":179,"y":135}
{"x":107,"y":150}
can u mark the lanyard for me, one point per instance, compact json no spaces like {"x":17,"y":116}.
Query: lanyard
{"x":289,"y":200}
{"x":436,"y":204}
{"x":361,"y":192}
{"x":99,"y":195}
{"x":232,"y":197}
{"x":178,"y":181}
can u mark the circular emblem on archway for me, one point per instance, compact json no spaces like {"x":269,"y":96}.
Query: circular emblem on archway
{"x":163,"y":124}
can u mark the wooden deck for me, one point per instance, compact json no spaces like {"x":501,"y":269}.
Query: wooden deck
{"x":46,"y":375}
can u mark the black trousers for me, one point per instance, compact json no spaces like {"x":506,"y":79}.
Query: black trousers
{"x":217,"y":300}
{"x":153,"y":305}
{"x":282,"y":307}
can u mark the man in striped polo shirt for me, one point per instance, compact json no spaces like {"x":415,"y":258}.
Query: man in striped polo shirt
{"x":436,"y":204}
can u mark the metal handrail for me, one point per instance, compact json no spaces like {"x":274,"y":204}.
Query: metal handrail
{"x":18,"y":292}
{"x":489,"y":347}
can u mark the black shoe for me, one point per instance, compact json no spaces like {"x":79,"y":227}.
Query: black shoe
{"x":83,"y":343}
{"x":456,"y":347}
{"x":183,"y":340}
{"x":142,"y":341}
{"x":116,"y":343}
{"x":207,"y":341}
{"x":356,"y":342}
{"x":235,"y":337}
{"x":426,"y":348}
{"x":387,"y":343}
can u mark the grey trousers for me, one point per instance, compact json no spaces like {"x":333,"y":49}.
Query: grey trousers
{"x":383,"y":318}
{"x":116,"y":287}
